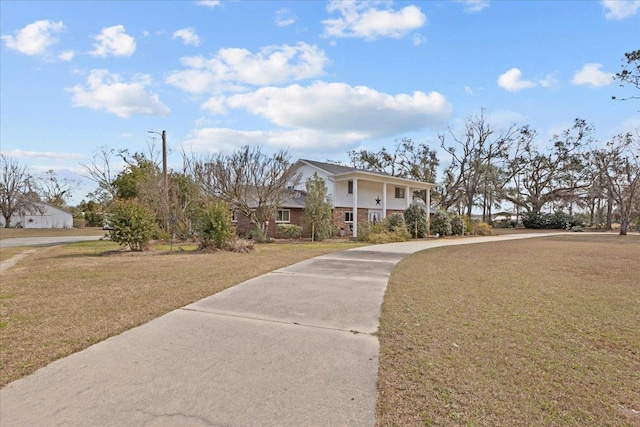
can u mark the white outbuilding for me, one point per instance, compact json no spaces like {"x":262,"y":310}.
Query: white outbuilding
{"x":48,"y":216}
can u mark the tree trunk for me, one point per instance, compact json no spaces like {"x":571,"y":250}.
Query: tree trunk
{"x":609,"y":214}
{"x":624,"y":224}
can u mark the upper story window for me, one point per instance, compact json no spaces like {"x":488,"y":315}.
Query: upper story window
{"x":399,"y":193}
{"x":283,"y":215}
{"x":350,"y":187}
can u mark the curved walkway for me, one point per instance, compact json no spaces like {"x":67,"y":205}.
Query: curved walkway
{"x":294,"y":347}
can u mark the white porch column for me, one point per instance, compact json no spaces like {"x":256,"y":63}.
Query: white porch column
{"x":408,"y":195}
{"x":355,"y":207}
{"x":384,"y":200}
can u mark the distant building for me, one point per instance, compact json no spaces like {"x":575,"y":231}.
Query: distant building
{"x":50,"y":217}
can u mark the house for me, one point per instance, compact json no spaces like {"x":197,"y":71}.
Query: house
{"x":47,"y":216}
{"x":358,"y":196}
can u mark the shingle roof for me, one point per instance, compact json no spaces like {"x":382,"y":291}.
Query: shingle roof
{"x":338,"y":169}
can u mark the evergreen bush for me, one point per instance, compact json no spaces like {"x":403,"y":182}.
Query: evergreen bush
{"x":132,"y":224}
{"x":458,"y":225}
{"x":441,"y":224}
{"x":415,"y":218}
{"x":289,"y":231}
{"x":214,"y":225}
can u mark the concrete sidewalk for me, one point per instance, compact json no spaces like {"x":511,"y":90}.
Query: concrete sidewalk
{"x":295,"y":347}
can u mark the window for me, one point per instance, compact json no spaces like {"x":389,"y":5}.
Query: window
{"x":350,"y":187}
{"x":348,"y":216}
{"x":283,"y":215}
{"x":399,"y":193}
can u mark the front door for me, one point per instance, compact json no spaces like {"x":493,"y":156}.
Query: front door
{"x":375,"y":216}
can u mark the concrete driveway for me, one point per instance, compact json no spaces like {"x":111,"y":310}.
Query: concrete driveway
{"x":295,"y":347}
{"x":44,"y":241}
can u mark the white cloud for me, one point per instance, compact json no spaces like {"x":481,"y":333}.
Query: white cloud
{"x":214,"y":139}
{"x":215,"y":105}
{"x":351,"y":112}
{"x":591,"y":75}
{"x":67,"y":55}
{"x":284,"y":18}
{"x":473,"y":6}
{"x":549,"y":80}
{"x":35,"y":38}
{"x":231,"y":67}
{"x":108,"y":92}
{"x":209,"y":3}
{"x":55,"y":155}
{"x":114,"y":41}
{"x":468,"y":90}
{"x":620,"y":9}
{"x":362,"y":19}
{"x":512,"y":81}
{"x":188,"y":36}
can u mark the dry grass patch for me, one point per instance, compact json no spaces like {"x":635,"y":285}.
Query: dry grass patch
{"x":534,"y":332}
{"x":62,"y":299}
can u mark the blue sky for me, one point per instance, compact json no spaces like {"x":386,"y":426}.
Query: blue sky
{"x":318,"y":78}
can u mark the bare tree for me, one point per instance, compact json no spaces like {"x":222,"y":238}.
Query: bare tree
{"x":16,"y":192}
{"x":630,"y":74}
{"x":408,"y":160}
{"x":55,"y":190}
{"x":475,"y":157}
{"x":99,"y":170}
{"x":555,"y":176}
{"x":248,"y":180}
{"x":620,"y":164}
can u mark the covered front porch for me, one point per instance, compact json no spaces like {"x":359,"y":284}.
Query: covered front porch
{"x":368,"y":196}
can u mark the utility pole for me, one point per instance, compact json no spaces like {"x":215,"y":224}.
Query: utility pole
{"x":164,"y":167}
{"x":165,"y":179}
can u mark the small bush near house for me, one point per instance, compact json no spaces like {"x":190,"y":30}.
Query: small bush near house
{"x":504,"y":223}
{"x":78,"y":223}
{"x":397,"y":234}
{"x":441,"y":224}
{"x":133,"y":224}
{"x":289,"y":231}
{"x":481,"y":229}
{"x":415,"y":218}
{"x":257,"y":235}
{"x":382,"y":233}
{"x":395,"y":220}
{"x":458,"y":224}
{"x":214,"y":225}
{"x":553,"y":221}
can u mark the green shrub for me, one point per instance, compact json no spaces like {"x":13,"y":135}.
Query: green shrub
{"x":132,"y":224}
{"x":482,"y":229}
{"x":415,"y":218}
{"x":289,"y":231}
{"x":395,"y":220}
{"x":458,"y":224}
{"x":468,"y":224}
{"x":257,"y":235}
{"x":552,"y":221}
{"x":397,"y":234}
{"x":441,"y":224}
{"x":214,"y":225}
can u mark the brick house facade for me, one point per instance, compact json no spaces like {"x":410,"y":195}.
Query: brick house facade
{"x":372,"y":195}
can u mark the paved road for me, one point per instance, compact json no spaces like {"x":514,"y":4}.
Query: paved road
{"x":44,"y":241}
{"x":295,"y":347}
